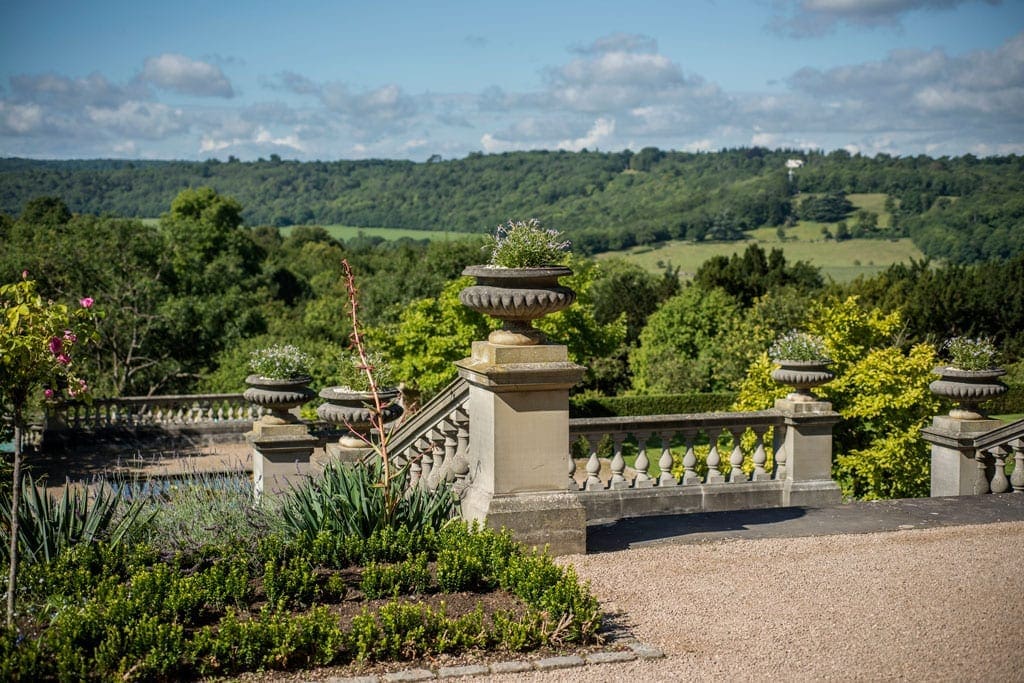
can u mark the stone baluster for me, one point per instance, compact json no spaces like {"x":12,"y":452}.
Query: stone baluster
{"x":980,"y":474}
{"x":451,"y":446}
{"x":760,"y":456}
{"x":643,"y":477}
{"x":427,"y":461}
{"x":715,"y":475}
{"x":780,"y":454}
{"x":413,"y":455}
{"x":1017,"y":478}
{"x":618,"y":464}
{"x":690,"y":475}
{"x":665,"y":461}
{"x":460,"y":458}
{"x":1000,"y":484}
{"x":593,"y":465}
{"x":572,"y":485}
{"x":736,"y":473}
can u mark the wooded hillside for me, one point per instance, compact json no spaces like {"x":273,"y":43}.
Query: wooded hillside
{"x":961,"y":209}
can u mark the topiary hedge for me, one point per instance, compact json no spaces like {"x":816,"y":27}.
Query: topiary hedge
{"x":656,"y":404}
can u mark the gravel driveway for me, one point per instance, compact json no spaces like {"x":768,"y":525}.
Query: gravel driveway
{"x":941,"y":604}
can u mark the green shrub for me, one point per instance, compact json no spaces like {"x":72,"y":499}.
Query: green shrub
{"x":391,"y":580}
{"x":269,"y":640}
{"x":289,"y":582}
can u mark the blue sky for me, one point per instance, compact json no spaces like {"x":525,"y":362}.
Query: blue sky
{"x":328,"y":80}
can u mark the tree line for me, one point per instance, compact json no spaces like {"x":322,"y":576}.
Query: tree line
{"x":958,"y":209}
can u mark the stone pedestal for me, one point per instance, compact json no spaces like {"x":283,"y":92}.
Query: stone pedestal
{"x":807,"y":444}
{"x":281,"y":454}
{"x":955,"y":471}
{"x":519,"y":460}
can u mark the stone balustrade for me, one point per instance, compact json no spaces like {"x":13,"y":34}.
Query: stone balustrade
{"x":705,"y":462}
{"x":970,"y":457}
{"x":435,"y":440}
{"x":207,"y":417}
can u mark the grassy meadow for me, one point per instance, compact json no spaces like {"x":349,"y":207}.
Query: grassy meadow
{"x":841,"y":261}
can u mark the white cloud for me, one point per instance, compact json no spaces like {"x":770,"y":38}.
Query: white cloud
{"x":20,"y":119}
{"x":139,"y":119}
{"x":602,"y":129}
{"x":186,"y":76}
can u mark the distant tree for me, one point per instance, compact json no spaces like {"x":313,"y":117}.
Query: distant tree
{"x":827,"y":209}
{"x":45,"y":211}
{"x":755,"y":273}
{"x":675,"y":352}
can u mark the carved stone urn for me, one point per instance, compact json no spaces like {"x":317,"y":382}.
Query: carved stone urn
{"x":279,"y":396}
{"x":802,"y":375}
{"x":353,"y":410}
{"x":968,"y":388}
{"x":516,"y":297}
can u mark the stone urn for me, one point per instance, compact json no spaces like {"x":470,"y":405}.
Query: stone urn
{"x":516,"y":297}
{"x":802,"y":375}
{"x":279,"y":396}
{"x":968,"y":388}
{"x":353,"y":410}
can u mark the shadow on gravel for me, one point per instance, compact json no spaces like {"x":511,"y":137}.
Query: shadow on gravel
{"x":628,"y":533}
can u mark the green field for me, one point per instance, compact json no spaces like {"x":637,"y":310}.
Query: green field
{"x":841,"y":261}
{"x":346,"y":232}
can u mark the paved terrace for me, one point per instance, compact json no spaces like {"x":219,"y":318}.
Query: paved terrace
{"x":920,"y":589}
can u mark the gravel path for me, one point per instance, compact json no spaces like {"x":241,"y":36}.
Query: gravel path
{"x":938,"y":605}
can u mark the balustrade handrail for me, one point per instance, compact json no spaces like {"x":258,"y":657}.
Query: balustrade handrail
{"x":155,"y":399}
{"x":429,"y":415}
{"x":1000,"y":435}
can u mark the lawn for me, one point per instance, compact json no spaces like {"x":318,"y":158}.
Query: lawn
{"x":841,"y":261}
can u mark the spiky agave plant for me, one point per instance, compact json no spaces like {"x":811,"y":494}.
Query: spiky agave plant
{"x":49,"y":525}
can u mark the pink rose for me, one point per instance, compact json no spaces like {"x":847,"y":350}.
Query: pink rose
{"x":70,"y":336}
{"x":48,"y":393}
{"x":63,"y":359}
{"x":24,"y":275}
{"x":87,"y":302}
{"x":56,"y":345}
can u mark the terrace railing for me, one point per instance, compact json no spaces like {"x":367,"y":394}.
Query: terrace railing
{"x":970,"y":457}
{"x":705,"y":461}
{"x":435,"y":440}
{"x":210,"y":417}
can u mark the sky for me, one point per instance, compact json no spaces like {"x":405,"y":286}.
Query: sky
{"x":345,"y":79}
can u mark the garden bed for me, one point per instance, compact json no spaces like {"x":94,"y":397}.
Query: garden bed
{"x":206,"y":585}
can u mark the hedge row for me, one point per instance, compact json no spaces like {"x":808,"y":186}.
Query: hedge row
{"x":663,"y":404}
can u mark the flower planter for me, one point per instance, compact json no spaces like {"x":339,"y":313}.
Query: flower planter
{"x":353,"y":410}
{"x":279,"y":396}
{"x":516,"y":297}
{"x":802,"y":375}
{"x":968,"y":388}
